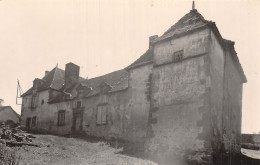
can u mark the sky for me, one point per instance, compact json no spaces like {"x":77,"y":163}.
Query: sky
{"x":107,"y":35}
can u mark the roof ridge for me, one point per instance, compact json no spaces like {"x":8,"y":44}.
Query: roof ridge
{"x":102,"y":76}
{"x":195,"y":12}
{"x":145,"y":58}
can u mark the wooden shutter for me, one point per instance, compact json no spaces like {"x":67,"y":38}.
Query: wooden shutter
{"x":99,"y":114}
{"x":104,"y":114}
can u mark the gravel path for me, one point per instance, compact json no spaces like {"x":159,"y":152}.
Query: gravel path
{"x":63,"y":151}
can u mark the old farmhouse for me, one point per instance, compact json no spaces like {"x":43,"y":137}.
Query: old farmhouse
{"x":183,"y":94}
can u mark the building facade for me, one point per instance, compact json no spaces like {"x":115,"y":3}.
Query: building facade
{"x":184,"y":94}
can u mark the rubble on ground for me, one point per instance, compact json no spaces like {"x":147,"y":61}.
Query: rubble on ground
{"x":15,"y":137}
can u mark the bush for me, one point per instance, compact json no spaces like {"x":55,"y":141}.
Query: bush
{"x":7,"y":156}
{"x":11,"y":124}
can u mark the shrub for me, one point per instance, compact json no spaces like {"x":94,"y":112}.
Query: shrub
{"x":7,"y":156}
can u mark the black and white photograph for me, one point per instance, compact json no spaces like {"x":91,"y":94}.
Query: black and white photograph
{"x":129,"y":82}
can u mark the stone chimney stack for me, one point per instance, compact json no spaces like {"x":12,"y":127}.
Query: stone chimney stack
{"x":37,"y":83}
{"x":47,"y":72}
{"x":71,"y":74}
{"x":151,"y":39}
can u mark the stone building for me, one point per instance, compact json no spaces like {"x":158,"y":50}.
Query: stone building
{"x":183,"y":95}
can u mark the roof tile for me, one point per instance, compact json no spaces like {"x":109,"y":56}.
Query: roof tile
{"x":191,"y":21}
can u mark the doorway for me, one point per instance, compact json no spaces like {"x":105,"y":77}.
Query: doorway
{"x":77,"y":122}
{"x":28,"y":123}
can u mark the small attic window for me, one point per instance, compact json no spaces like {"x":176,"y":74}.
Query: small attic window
{"x":178,"y":56}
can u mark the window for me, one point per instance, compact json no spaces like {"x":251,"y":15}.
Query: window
{"x":61,"y":118}
{"x":78,"y":105}
{"x":102,"y":114}
{"x":34,"y":121}
{"x":178,"y":56}
{"x":42,"y":101}
{"x":34,"y":102}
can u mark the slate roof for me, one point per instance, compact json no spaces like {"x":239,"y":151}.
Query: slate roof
{"x":54,"y":80}
{"x":191,"y":21}
{"x":230,"y":45}
{"x":117,"y":81}
{"x":147,"y":57}
{"x":2,"y":108}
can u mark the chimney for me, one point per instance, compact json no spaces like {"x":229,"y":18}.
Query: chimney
{"x":37,"y":83}
{"x":151,"y":39}
{"x":71,"y":74}
{"x":47,"y":72}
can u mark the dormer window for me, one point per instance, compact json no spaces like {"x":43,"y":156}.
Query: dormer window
{"x":82,"y":91}
{"x":104,"y":87}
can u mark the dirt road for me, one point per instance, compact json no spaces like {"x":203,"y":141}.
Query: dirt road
{"x":63,"y":151}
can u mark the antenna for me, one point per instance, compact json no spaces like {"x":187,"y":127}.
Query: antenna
{"x":19,"y":92}
{"x":193,"y":5}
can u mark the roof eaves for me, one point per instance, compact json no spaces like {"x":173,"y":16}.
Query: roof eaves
{"x":118,"y":90}
{"x":28,"y":92}
{"x":139,"y":65}
{"x":177,"y":35}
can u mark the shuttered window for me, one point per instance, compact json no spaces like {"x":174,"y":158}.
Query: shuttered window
{"x":102,"y":114}
{"x":61,"y":118}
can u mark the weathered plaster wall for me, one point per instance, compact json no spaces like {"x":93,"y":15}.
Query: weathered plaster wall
{"x":46,"y":114}
{"x":232,"y":113}
{"x":139,"y":103}
{"x":179,"y":94}
{"x":128,"y":109}
{"x":127,"y":115}
{"x":8,"y":114}
{"x":216,"y":72}
{"x":48,"y":118}
{"x":25,"y":110}
{"x":192,"y":45}
{"x":116,"y":103}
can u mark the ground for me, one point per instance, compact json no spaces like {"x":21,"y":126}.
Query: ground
{"x":66,"y":151}
{"x":255,"y":154}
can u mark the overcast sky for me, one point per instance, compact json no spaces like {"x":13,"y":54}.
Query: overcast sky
{"x":104,"y":36}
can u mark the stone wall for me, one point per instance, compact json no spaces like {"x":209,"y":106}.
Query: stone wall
{"x":179,"y":97}
{"x":215,"y":70}
{"x":232,"y":112}
{"x":128,"y":110}
{"x":127,"y":115}
{"x":46,"y":114}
